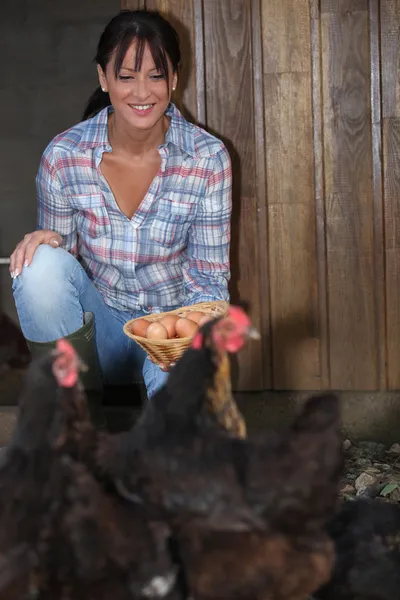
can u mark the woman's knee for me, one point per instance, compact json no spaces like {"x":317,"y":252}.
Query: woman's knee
{"x":46,"y":282}
{"x":48,"y":265}
{"x":46,"y":295}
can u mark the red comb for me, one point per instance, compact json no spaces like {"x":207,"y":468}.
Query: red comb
{"x":65,"y":347}
{"x":197,"y":342}
{"x":239,"y":315}
{"x":66,"y":365}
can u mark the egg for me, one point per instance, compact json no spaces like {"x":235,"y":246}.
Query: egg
{"x":169,"y":322}
{"x":139,"y":327}
{"x":185,"y":328}
{"x":156,"y":331}
{"x":195,"y":316}
{"x":204,"y":319}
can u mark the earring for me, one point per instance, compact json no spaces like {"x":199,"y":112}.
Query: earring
{"x":103,"y":89}
{"x":173,"y":89}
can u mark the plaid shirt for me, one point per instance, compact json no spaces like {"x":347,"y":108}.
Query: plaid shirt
{"x":175,"y":249}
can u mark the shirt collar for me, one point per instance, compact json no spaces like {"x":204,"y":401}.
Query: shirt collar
{"x":180,"y":132}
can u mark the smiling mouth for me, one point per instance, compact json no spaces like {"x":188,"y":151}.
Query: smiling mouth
{"x":141,"y":107}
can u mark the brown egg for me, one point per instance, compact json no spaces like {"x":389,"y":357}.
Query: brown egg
{"x":204,"y":319}
{"x":139,"y":327}
{"x":195,"y":316}
{"x":156,"y":331}
{"x":185,"y":328}
{"x":169,"y":322}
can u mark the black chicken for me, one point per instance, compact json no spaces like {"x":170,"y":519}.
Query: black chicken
{"x":366,"y":534}
{"x":181,"y":424}
{"x":204,"y":371}
{"x":24,"y":470}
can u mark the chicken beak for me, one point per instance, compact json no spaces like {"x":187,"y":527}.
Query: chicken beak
{"x":253,"y":334}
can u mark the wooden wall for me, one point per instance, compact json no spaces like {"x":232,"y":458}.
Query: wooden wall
{"x":306,"y":95}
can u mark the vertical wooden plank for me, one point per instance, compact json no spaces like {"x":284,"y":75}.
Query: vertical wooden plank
{"x":390,"y":56}
{"x":261,"y":192}
{"x":291,"y":194}
{"x":286,"y":36}
{"x":289,"y":137}
{"x":378,"y":248}
{"x":316,"y":59}
{"x":296,"y":342}
{"x":200,"y":68}
{"x":186,"y":19}
{"x":349,"y":198}
{"x":230,"y":114}
{"x":390,"y":36}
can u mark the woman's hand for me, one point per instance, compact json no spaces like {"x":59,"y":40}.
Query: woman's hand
{"x":24,"y":251}
{"x":164,"y":368}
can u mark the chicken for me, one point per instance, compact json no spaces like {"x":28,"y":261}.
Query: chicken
{"x":247,"y":515}
{"x":366,"y":534}
{"x":196,"y":397}
{"x":25,"y":468}
{"x":204,"y":373}
{"x":94,"y":545}
{"x":63,"y":533}
{"x":177,"y":413}
{"x":198,"y":391}
{"x":291,"y":484}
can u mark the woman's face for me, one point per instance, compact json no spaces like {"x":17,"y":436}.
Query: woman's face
{"x":139,"y":98}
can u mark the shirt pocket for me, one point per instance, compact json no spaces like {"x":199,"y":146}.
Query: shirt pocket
{"x":92,"y":217}
{"x":171,"y":222}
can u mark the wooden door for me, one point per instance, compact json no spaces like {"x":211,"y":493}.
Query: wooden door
{"x":305,"y":95}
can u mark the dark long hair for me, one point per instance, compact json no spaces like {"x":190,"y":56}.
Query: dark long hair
{"x":144,"y":26}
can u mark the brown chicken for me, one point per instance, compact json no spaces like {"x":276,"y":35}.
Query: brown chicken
{"x":254,"y":566}
{"x":63,"y":533}
{"x":291,"y":483}
{"x":94,"y":545}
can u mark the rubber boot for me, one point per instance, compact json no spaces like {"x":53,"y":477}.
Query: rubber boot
{"x":83,"y":341}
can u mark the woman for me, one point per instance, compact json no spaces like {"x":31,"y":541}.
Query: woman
{"x":134,"y":208}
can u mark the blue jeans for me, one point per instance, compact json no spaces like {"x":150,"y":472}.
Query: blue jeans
{"x":51,"y":295}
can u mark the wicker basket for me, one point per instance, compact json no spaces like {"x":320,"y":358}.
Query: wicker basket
{"x":164,"y":352}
